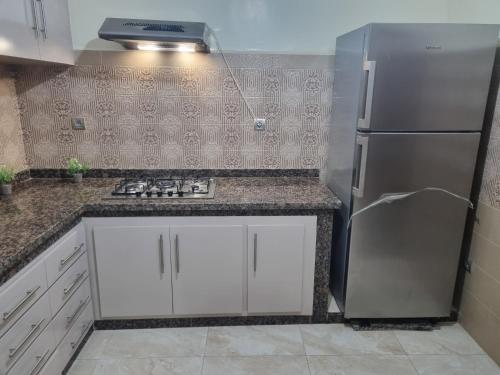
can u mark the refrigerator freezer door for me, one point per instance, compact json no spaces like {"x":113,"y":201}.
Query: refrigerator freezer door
{"x":404,"y":255}
{"x":427,"y":77}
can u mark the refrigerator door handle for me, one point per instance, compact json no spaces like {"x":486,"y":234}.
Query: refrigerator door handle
{"x":367,"y":99}
{"x":360,"y":170}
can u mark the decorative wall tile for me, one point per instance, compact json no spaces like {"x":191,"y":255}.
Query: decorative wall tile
{"x":178,"y":113}
{"x":12,"y":151}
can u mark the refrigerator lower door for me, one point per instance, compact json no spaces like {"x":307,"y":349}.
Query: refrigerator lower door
{"x":403,"y":256}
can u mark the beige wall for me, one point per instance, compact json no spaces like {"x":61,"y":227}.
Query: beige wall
{"x":11,"y":141}
{"x":480,"y":310}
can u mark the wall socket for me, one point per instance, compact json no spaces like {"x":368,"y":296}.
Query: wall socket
{"x":78,"y":123}
{"x":259,"y":123}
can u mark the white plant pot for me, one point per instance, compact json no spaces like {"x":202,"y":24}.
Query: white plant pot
{"x":77,"y":177}
{"x":6,"y":189}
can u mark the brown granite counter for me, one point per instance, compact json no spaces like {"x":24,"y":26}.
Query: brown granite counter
{"x":42,"y":210}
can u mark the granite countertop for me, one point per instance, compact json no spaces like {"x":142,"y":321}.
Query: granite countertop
{"x":41,"y":210}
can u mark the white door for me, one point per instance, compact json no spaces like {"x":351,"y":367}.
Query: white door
{"x":207,"y":269}
{"x":133,"y":271}
{"x":55,"y":39}
{"x":18,"y":35}
{"x":275,"y":268}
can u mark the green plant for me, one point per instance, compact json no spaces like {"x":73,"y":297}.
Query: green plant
{"x":6,"y":175}
{"x":74,"y":167}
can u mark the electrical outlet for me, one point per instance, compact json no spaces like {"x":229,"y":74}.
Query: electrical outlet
{"x":260,"y":124}
{"x":78,"y":123}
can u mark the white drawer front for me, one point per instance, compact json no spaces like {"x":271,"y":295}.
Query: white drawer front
{"x":76,"y":334}
{"x":54,"y":366}
{"x":16,"y":297}
{"x":15,"y":342}
{"x":71,"y":311}
{"x":68,"y":283}
{"x":64,"y":254}
{"x":32,"y":362}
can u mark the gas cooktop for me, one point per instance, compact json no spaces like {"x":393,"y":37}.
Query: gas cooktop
{"x":164,"y":188}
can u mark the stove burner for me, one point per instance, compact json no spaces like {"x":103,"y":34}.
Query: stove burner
{"x":166,"y":188}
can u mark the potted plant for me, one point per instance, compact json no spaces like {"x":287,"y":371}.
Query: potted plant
{"x":76,"y":169}
{"x":6,"y":177}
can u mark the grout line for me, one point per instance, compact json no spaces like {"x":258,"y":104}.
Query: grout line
{"x":304,"y":347}
{"x":413,"y":365}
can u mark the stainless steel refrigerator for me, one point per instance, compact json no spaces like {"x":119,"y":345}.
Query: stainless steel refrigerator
{"x":409,"y":101}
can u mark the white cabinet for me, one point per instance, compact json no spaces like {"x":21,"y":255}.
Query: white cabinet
{"x":36,"y":30}
{"x":133,"y":271}
{"x":275,"y":268}
{"x":206,"y":265}
{"x":208,"y":269}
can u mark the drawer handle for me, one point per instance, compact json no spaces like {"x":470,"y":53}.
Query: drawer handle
{"x":78,"y":278}
{"x":34,"y":327}
{"x":29,"y":294}
{"x":82,"y":335}
{"x":80,"y":307}
{"x":40,"y":360}
{"x":72,"y":255}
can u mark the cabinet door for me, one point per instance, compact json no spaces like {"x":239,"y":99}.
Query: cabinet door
{"x":207,"y":266}
{"x":133,"y":271}
{"x":275,"y":268}
{"x":18,"y":35}
{"x":55,"y":35}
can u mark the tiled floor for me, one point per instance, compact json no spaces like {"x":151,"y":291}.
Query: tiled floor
{"x":331,"y":349}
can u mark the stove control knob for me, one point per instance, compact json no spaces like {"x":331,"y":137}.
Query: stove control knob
{"x":159,"y":193}
{"x":180,"y":193}
{"x":170,"y":193}
{"x":138,"y":193}
{"x":149,"y":194}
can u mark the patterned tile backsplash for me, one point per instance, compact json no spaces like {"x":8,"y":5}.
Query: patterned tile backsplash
{"x":490,"y":190}
{"x":172,"y":111}
{"x":11,"y":140}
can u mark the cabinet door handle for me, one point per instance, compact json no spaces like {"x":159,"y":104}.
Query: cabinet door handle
{"x":162,"y":260}
{"x":34,"y":327}
{"x":82,"y":335}
{"x":76,"y":250}
{"x":35,"y":20}
{"x":29,"y":294}
{"x":43,"y":29}
{"x":255,"y":252}
{"x":177,"y":260}
{"x":83,"y":303}
{"x":40,"y":359}
{"x":78,"y":277}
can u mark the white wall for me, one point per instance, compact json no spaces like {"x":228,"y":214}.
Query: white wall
{"x":474,"y":11}
{"x":286,"y":26}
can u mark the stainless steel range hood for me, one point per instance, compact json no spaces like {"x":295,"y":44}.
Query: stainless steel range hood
{"x":152,"y":35}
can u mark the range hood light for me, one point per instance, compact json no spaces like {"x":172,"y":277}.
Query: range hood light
{"x":181,"y":47}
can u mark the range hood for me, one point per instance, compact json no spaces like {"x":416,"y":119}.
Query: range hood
{"x":152,"y":35}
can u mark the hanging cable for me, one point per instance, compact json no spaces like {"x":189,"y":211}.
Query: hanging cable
{"x":392,"y":197}
{"x":212,"y":33}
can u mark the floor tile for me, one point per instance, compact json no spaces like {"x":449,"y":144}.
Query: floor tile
{"x":148,"y":343}
{"x":94,"y":347}
{"x":449,"y":339}
{"x":361,"y":365}
{"x":254,"y":341}
{"x":146,"y":366}
{"x":275,"y":365}
{"x":337,"y":339}
{"x":454,"y":365}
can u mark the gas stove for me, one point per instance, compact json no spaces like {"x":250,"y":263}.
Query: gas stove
{"x":164,"y":188}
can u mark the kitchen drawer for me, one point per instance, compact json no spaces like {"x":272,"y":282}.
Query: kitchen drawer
{"x":19,"y":294}
{"x":68,"y":283}
{"x":15,"y":342}
{"x":75,"y":335}
{"x":71,"y":311}
{"x":64,"y":254}
{"x":53,"y":366}
{"x":36,"y":356}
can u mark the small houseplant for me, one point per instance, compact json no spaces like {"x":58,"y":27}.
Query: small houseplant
{"x":6,"y":177}
{"x":76,"y":169}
